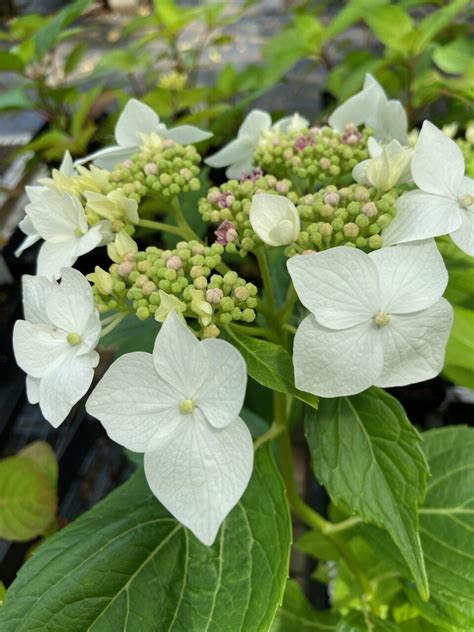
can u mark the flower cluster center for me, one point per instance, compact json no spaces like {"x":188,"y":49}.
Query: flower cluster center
{"x":465,"y":200}
{"x":382,"y":319}
{"x":186,"y":406}
{"x":73,"y":339}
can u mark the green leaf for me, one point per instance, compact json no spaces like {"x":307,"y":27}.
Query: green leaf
{"x":74,"y":57}
{"x":132,"y":334}
{"x":128,"y":565}
{"x":460,"y":290}
{"x":15,"y":99}
{"x":454,"y":56}
{"x":389,"y":25}
{"x":459,"y":362}
{"x":351,"y":13}
{"x":356,"y":622}
{"x":297,"y":615}
{"x":368,"y":456}
{"x":2,"y":594}
{"x":9,"y":62}
{"x":27,"y":500}
{"x":48,"y":36}
{"x":270,"y":365}
{"x":436,"y":21}
{"x":43,"y":455}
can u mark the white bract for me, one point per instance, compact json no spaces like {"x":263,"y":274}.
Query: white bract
{"x":55,"y":343}
{"x":274,"y":219}
{"x":444,"y":203}
{"x":238,"y":154}
{"x":136,"y":122}
{"x":370,"y":106}
{"x":387,"y":166}
{"x":180,"y":406}
{"x":376,"y":319}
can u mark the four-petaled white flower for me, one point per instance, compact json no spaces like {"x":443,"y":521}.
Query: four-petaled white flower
{"x":370,"y":106}
{"x":180,"y":406}
{"x":55,"y":344}
{"x":444,"y":203}
{"x":136,"y":122}
{"x":376,"y":319}
{"x":387,"y":166}
{"x":238,"y":154}
{"x":274,"y":219}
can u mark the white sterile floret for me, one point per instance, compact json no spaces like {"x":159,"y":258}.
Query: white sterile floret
{"x":387,"y":166}
{"x":238,"y":155}
{"x":180,"y":406}
{"x":274,"y":219}
{"x":376,"y":319}
{"x":386,"y":117}
{"x":444,"y":203}
{"x":136,"y":122}
{"x":55,"y":343}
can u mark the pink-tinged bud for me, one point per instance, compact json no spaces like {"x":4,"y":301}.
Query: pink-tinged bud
{"x":174,"y":263}
{"x":197,"y":249}
{"x":351,"y":135}
{"x":302,"y":142}
{"x":125,"y":268}
{"x":369,"y":209}
{"x":168,"y":143}
{"x":226,"y":200}
{"x":187,"y":174}
{"x":282,"y":187}
{"x":241,"y":293}
{"x":307,"y":199}
{"x":325,"y":230}
{"x":351,"y":230}
{"x":150,"y":169}
{"x":308,"y":252}
{"x":331,"y":198}
{"x":129,"y":256}
{"x":225,"y":233}
{"x":287,"y":154}
{"x":327,"y":211}
{"x":361,"y":194}
{"x":276,"y":141}
{"x":345,"y":192}
{"x":315,"y":131}
{"x":141,"y":280}
{"x":324,"y":163}
{"x":148,"y":288}
{"x":211,"y":331}
{"x":214,"y":295}
{"x":127,"y":164}
{"x":252,"y":175}
{"x":213,"y":196}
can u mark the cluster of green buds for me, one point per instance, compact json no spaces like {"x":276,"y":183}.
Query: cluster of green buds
{"x":353,"y":215}
{"x":161,"y":167}
{"x":228,"y":207}
{"x":314,"y":155}
{"x":154,"y":281}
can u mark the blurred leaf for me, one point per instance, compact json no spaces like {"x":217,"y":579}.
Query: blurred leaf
{"x":132,"y":334}
{"x":460,"y":290}
{"x":389,"y":24}
{"x":459,"y":362}
{"x":9,"y":62}
{"x":2,"y":594}
{"x":454,"y":56}
{"x":15,"y":99}
{"x":352,"y":12}
{"x":348,"y":77}
{"x":74,"y":57}
{"x":296,"y":614}
{"x":27,"y":500}
{"x":48,"y":35}
{"x":436,"y":21}
{"x":43,"y":455}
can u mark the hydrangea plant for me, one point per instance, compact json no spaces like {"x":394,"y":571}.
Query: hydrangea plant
{"x":314,"y":283}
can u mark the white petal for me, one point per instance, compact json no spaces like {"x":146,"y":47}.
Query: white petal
{"x":132,"y":402}
{"x":359,"y":173}
{"x":240,"y":168}
{"x":357,"y":109}
{"x":463,"y":237}
{"x":412,"y":276}
{"x":58,"y":216}
{"x":37,"y":348}
{"x":422,"y":216}
{"x":414,"y":345}
{"x":253,"y":124}
{"x":90,"y":240}
{"x":178,"y":356}
{"x":26,"y":243}
{"x":339,"y":286}
{"x":187,"y":134}
{"x":32,"y":389}
{"x":293,"y":123}
{"x":67,"y":165}
{"x":392,"y":122}
{"x":235,"y":151}
{"x":36,"y":290}
{"x":136,"y":118}
{"x":199,"y":472}
{"x":63,"y":386}
{"x":275,"y":219}
{"x":221,"y":396}
{"x":332,"y":363}
{"x":71,"y":303}
{"x":52,"y":257}
{"x":437,"y":164}
{"x":109,"y":157}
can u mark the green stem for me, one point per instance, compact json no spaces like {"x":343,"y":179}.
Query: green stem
{"x":186,"y":230}
{"x":165,"y":228}
{"x":286,"y":309}
{"x":344,"y":525}
{"x":267,"y":282}
{"x":118,"y":319}
{"x":259,"y":332}
{"x":290,"y":328}
{"x":273,"y":432}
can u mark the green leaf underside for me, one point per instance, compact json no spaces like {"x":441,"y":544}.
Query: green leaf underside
{"x":270,"y":365}
{"x":297,"y":615}
{"x":27,"y":499}
{"x":128,"y":565}
{"x":367,"y":455}
{"x":446,"y":531}
{"x":459,"y":363}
